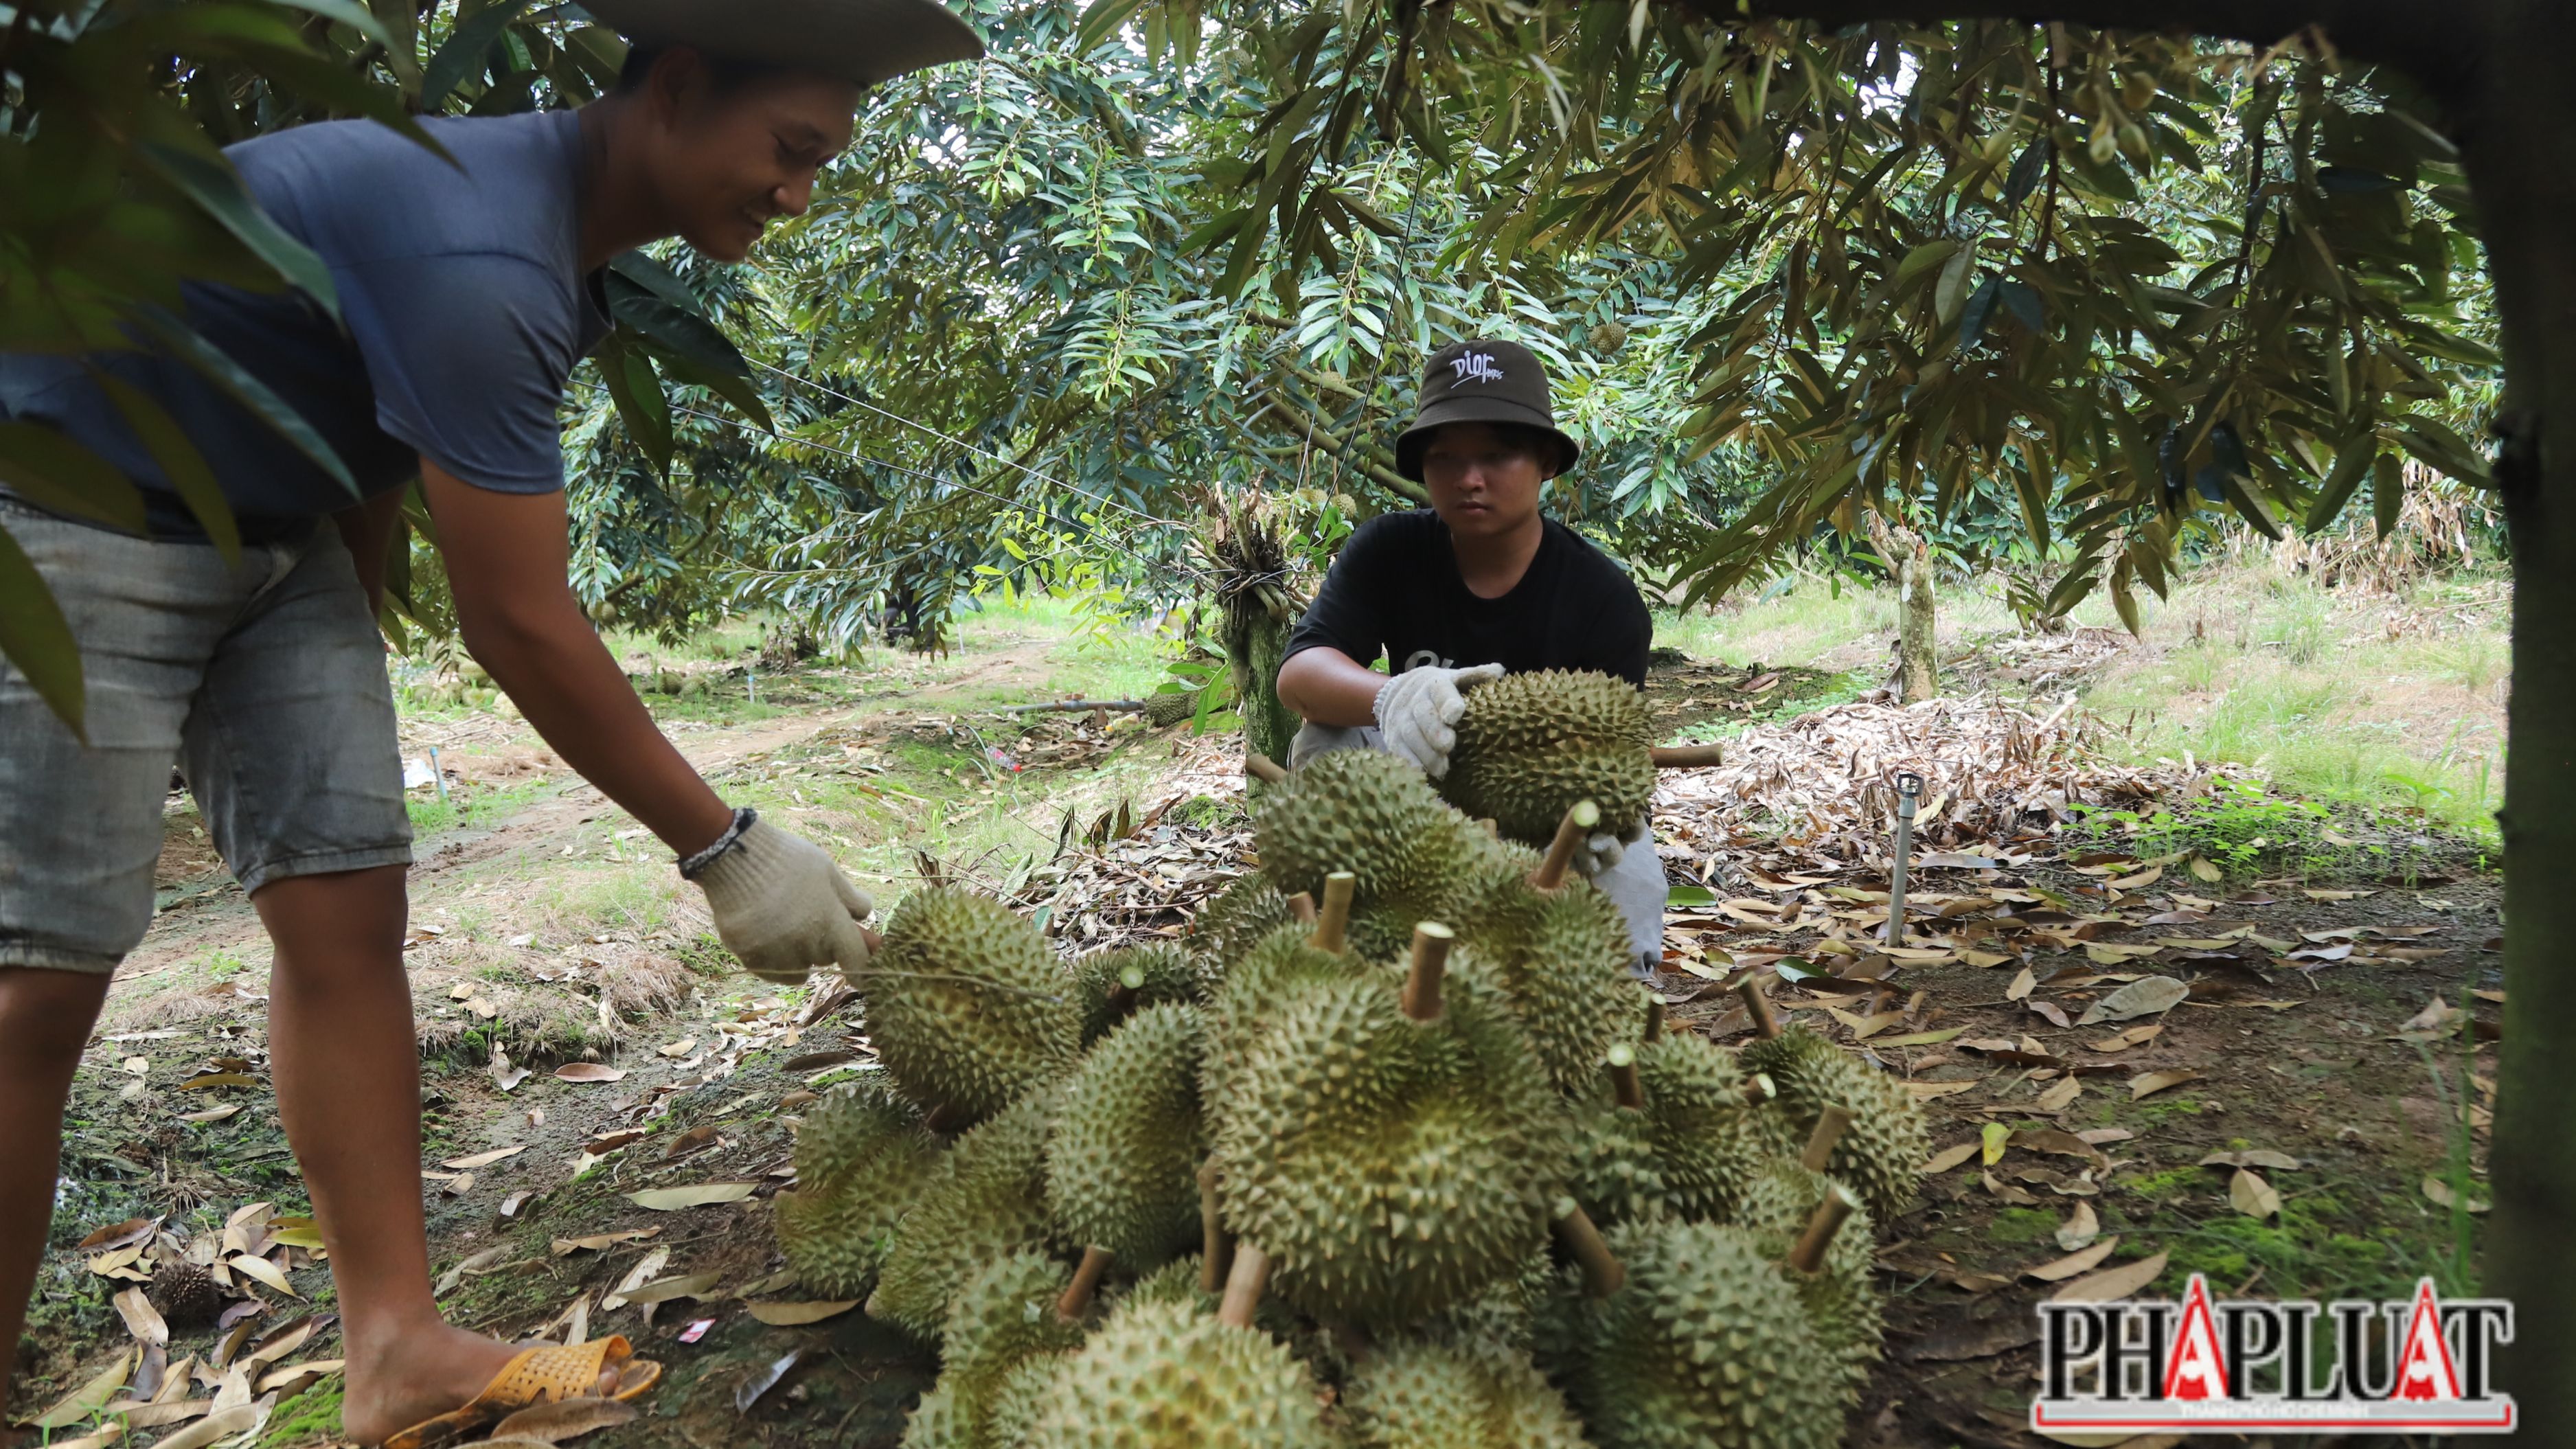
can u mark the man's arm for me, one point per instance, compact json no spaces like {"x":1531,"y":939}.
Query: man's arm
{"x":1328,"y":687}
{"x":368,"y":530}
{"x":508,"y":562}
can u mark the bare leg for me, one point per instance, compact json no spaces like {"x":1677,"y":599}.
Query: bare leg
{"x":348,"y":1088}
{"x":45,"y":1017}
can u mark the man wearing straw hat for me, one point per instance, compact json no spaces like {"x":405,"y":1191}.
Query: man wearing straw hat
{"x":468,"y":286}
{"x":1477,"y":585}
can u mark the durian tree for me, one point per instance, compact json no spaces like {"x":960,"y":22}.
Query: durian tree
{"x":2160,"y":266}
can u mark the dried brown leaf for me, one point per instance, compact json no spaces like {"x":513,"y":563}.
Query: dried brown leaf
{"x":564,"y":1419}
{"x":2083,"y":1260}
{"x":2112,"y":1283}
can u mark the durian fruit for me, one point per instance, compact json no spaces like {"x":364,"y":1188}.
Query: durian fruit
{"x":1021,"y":1397}
{"x":1122,"y":1165}
{"x":1423,"y":1394}
{"x":1841,"y":1299}
{"x":1561,"y":959}
{"x":1707,"y":1347}
{"x":184,"y":1293}
{"x":1449,"y":868}
{"x":1002,"y":1316}
{"x":1175,"y":1282}
{"x":1363,"y":811}
{"x":1110,"y":984}
{"x":1531,"y":745}
{"x":1265,"y":983}
{"x":1615,"y":1172}
{"x":989,"y":1199}
{"x":1504,"y":1313}
{"x":1879,"y":1156}
{"x":863,"y":1160}
{"x":1232,"y":923}
{"x":1389,"y":1167}
{"x":967,"y":1005}
{"x":1708,"y":1136}
{"x":1163,"y":1376}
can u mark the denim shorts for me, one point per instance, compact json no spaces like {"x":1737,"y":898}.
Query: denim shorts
{"x":264,"y":682}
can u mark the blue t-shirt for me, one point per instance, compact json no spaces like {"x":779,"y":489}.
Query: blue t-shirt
{"x":464,"y":306}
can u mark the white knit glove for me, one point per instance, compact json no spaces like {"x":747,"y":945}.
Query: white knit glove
{"x":1418,"y":709}
{"x":784,"y":907}
{"x":1601,"y":852}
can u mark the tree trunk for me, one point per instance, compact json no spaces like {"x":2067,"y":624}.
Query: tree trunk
{"x":1256,"y":644}
{"x":1909,"y":561}
{"x":2515,"y":143}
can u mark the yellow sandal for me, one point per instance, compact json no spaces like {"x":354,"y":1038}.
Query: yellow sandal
{"x":538,"y":1375}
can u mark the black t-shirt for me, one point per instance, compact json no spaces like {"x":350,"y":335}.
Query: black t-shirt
{"x":1395,"y":588}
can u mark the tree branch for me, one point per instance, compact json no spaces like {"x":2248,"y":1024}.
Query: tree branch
{"x":2437,"y":47}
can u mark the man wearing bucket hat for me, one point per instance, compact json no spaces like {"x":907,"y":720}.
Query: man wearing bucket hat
{"x":468,"y":285}
{"x":1479,"y":584}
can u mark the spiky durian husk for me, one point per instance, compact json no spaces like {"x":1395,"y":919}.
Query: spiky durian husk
{"x":990,"y":1200}
{"x":1561,"y":959}
{"x":1270,"y":979}
{"x":1162,"y":973}
{"x":1882,"y":1152}
{"x":863,"y":1160}
{"x":1434,"y":1394}
{"x":1531,"y":745}
{"x":1706,"y":1347}
{"x":1390,"y":1168}
{"x":1841,"y":1299}
{"x":1232,"y":923}
{"x":1160,"y":1374}
{"x":967,"y":1005}
{"x":1363,"y":811}
{"x":1122,"y":1166}
{"x":1707,"y":1140}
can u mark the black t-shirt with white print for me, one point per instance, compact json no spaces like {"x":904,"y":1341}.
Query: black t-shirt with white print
{"x":1395,"y":589}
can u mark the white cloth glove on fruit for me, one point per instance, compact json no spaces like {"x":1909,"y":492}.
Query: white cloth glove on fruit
{"x":784,"y":907}
{"x":1603,"y":851}
{"x":1418,"y":710}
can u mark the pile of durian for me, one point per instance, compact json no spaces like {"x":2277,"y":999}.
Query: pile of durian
{"x":1393,"y":1153}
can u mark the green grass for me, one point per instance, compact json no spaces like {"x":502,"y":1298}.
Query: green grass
{"x":1804,"y":620}
{"x":468,"y":805}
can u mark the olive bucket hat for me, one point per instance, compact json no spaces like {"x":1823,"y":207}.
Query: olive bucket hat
{"x":1481,"y":381}
{"x":866,"y":41}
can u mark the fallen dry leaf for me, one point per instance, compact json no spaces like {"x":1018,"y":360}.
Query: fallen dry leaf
{"x":1947,"y":1158}
{"x":588,"y":1072}
{"x":790,"y":1315}
{"x":2134,"y":1036}
{"x":1926,"y":1091}
{"x":212,"y":1114}
{"x":2154,"y":1082}
{"x":564,"y":1419}
{"x":2146,"y":996}
{"x":484,"y":1159}
{"x":2202,"y":868}
{"x":2021,"y":985}
{"x":119,"y":1235}
{"x":2083,"y":1260}
{"x":2441,"y":1195}
{"x":2253,"y":1157}
{"x":84,"y":1401}
{"x":222,"y":1424}
{"x":295,"y":1378}
{"x":107,"y":1433}
{"x":219,"y":1079}
{"x":2080,"y":1228}
{"x":263,"y":1270}
{"x":636,"y":1277}
{"x":671,"y":1199}
{"x":687,"y":1285}
{"x":1994,"y":1137}
{"x":2252,"y":1196}
{"x":141,"y":1318}
{"x":2059,"y":1097}
{"x":601,"y":1242}
{"x":680,"y":1048}
{"x":2112,"y":1283}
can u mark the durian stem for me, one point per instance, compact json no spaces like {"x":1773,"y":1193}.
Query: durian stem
{"x":1624,"y":1080}
{"x":1758,"y":1006}
{"x":1213,"y":1244}
{"x":1430,"y":959}
{"x":1243,"y":1286}
{"x":1687,"y":757}
{"x":1301,"y":908}
{"x":1332,"y":931}
{"x":1603,"y":1274}
{"x":1264,"y":769}
{"x":1120,"y":1000}
{"x":1820,"y":1143}
{"x":1580,"y":818}
{"x":1809,"y":1255}
{"x":1654,"y":1020}
{"x":1759,"y":1088}
{"x":1086,"y":1281}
